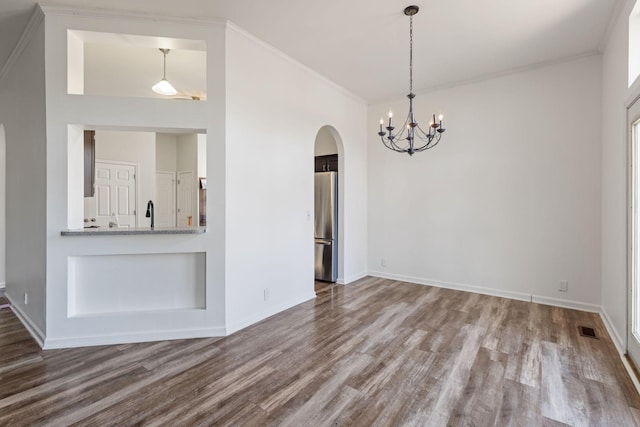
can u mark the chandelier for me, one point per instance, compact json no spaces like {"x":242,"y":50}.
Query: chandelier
{"x":411,"y":138}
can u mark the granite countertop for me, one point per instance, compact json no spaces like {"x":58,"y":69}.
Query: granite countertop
{"x":106,"y":231}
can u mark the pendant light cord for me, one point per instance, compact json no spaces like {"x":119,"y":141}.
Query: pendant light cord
{"x":164,"y":67}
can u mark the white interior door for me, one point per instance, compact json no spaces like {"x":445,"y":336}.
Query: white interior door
{"x":185,"y":199}
{"x":115,"y":193}
{"x":633,"y":227}
{"x":165,"y":207}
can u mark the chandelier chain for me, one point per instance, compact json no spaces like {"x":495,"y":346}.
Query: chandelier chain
{"x":411,"y":54}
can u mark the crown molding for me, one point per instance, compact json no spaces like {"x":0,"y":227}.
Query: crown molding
{"x":54,"y":10}
{"x":244,"y":33}
{"x":34,"y":23}
{"x":498,"y":74}
{"x":621,"y":8}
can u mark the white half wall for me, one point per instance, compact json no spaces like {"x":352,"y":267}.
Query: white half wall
{"x":509,"y":201}
{"x":137,"y":323}
{"x":275,"y":107}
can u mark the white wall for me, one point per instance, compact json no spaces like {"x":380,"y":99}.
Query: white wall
{"x":187,"y":160}
{"x":202,"y":156}
{"x":22,"y":112}
{"x":132,"y":147}
{"x":614,"y":178}
{"x":273,"y":117}
{"x":509,"y":200}
{"x":166,"y":152}
{"x":3,"y":180}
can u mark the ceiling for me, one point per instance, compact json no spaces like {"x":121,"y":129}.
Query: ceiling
{"x":363,"y":45}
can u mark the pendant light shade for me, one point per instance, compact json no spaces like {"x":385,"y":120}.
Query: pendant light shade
{"x":163,"y":87}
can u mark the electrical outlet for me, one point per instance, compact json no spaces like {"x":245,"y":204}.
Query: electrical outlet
{"x":26,"y":298}
{"x":266,"y":294}
{"x":564,"y":286}
{"x":383,"y":262}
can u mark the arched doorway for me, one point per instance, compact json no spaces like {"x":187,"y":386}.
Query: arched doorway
{"x":329,"y":201}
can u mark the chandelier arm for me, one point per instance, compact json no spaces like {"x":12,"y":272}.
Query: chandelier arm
{"x":431,"y":145}
{"x":391,"y":147}
{"x":395,"y":146}
{"x":423,"y":135}
{"x":402,"y":130}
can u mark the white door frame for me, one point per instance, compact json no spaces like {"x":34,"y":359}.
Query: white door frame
{"x":632,"y":115}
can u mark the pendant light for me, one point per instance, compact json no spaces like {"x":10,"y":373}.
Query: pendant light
{"x":163,"y":87}
{"x":411,"y":138}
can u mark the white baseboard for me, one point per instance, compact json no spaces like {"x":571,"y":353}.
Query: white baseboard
{"x":566,"y":303}
{"x":520,"y":296}
{"x":621,"y":346}
{"x":620,"y":343}
{"x":124,"y":338}
{"x":352,"y":278}
{"x":455,"y":286}
{"x":237,"y":325}
{"x":29,"y":325}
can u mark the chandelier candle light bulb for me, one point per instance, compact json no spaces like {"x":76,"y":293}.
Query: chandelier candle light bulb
{"x":417,"y":139}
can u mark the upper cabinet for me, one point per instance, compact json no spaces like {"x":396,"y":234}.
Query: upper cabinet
{"x":89,"y":162}
{"x":327,"y":163}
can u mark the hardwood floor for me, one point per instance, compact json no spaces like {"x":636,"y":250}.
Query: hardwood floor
{"x":376,"y":352}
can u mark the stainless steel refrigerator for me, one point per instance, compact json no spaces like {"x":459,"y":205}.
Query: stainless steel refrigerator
{"x":326,"y":226}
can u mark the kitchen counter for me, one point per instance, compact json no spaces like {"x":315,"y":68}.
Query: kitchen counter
{"x":106,"y":231}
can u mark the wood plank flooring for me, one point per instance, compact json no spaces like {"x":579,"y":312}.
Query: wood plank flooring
{"x":373,"y":353}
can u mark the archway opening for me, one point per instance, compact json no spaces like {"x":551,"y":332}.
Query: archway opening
{"x":329,"y":207}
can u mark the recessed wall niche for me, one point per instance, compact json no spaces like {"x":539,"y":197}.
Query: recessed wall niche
{"x":109,"y":64}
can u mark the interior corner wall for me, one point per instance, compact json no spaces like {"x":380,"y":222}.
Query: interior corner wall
{"x":275,"y":108}
{"x":614,"y":178}
{"x":22,"y":112}
{"x":509,"y":201}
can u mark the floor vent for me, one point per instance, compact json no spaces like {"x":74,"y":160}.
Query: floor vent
{"x":588,"y":332}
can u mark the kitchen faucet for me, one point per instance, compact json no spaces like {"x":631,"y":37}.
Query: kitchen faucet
{"x":150,"y":213}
